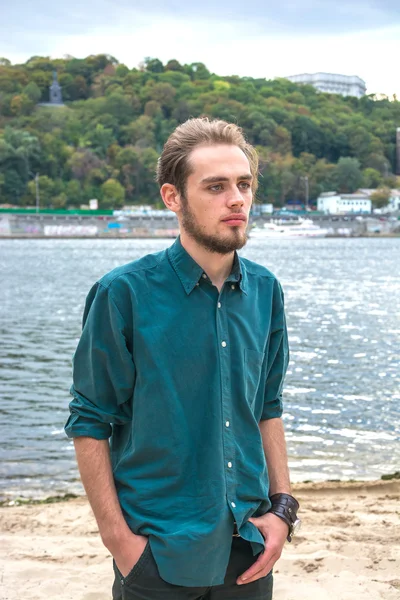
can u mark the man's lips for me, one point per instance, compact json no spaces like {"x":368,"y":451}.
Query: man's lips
{"x":235,"y":219}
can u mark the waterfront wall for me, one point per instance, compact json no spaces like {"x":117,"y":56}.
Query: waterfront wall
{"x":33,"y":225}
{"x":51,"y":225}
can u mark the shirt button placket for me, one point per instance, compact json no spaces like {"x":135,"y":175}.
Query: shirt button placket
{"x":225,"y":377}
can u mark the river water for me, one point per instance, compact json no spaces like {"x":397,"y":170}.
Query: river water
{"x":342,"y":392}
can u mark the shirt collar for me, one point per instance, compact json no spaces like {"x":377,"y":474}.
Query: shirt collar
{"x":189,"y":272}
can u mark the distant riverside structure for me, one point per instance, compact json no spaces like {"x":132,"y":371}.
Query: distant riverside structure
{"x":55,"y":94}
{"x":398,"y":151}
{"x":332,"y":203}
{"x":346,"y":85}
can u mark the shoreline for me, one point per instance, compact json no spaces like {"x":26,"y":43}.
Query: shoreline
{"x":299,"y":486}
{"x":347,"y":549}
{"x":158,"y":237}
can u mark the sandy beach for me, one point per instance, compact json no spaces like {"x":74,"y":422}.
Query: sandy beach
{"x":348,"y":548}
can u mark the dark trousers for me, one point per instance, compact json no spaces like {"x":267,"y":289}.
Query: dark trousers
{"x":145,"y":583}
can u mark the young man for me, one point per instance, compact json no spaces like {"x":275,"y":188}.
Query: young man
{"x":181,"y":364}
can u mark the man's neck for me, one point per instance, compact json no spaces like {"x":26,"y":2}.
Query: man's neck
{"x":217,"y":266}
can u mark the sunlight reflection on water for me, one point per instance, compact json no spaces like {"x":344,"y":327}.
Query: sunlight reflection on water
{"x":342,"y":389}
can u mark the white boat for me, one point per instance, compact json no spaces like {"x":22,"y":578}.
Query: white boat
{"x":297,"y":229}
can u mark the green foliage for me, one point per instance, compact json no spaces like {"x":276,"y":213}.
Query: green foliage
{"x":33,"y":92}
{"x":47,"y":189}
{"x":109,"y":135}
{"x":154,"y":65}
{"x":348,"y":175}
{"x":173,"y":65}
{"x":380,"y":197}
{"x":372,"y":178}
{"x":113,"y":194}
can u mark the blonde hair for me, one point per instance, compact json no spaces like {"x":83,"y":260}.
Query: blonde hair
{"x":173,"y":165}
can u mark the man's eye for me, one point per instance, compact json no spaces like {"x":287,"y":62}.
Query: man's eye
{"x":216,"y":188}
{"x":244,"y":185}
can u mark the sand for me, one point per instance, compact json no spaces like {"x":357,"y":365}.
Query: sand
{"x":348,"y":548}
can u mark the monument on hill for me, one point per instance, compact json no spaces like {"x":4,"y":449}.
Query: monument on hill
{"x":55,"y":91}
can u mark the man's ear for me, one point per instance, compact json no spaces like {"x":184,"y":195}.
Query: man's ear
{"x":171,"y":197}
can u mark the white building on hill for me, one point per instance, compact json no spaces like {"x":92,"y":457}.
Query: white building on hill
{"x":346,"y":85}
{"x":332,"y":203}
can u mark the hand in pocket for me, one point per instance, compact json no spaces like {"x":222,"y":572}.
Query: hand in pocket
{"x":129,"y":552}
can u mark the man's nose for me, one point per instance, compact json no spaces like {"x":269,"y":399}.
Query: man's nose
{"x":235,"y":197}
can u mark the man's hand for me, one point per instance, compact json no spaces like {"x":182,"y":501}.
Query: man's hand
{"x":274,"y":532}
{"x":128,"y":551}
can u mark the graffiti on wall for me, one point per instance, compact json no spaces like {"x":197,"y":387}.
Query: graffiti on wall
{"x":70,"y":230}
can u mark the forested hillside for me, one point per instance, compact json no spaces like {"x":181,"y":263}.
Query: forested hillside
{"x":105,"y":142}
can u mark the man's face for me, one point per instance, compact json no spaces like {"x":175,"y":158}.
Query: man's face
{"x":218,"y":198}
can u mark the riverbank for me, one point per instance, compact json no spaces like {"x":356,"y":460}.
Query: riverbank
{"x":162,"y":235}
{"x":348,"y":548}
{"x":160,"y":224}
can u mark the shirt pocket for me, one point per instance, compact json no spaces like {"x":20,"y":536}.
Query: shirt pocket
{"x":253,"y":365}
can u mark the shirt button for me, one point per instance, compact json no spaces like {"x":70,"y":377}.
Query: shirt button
{"x":233,"y":505}
{"x":223,"y":344}
{"x":197,"y":283}
{"x":204,"y":276}
{"x":219,"y":304}
{"x":230,"y":465}
{"x":227,"y":424}
{"x":233,"y":287}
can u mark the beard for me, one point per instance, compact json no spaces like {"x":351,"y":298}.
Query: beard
{"x":213,"y":243}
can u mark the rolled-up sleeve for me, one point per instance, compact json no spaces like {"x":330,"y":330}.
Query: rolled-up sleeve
{"x":103,"y":369}
{"x":277,"y":357}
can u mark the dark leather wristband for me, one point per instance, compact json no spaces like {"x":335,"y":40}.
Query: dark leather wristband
{"x":285,"y":500}
{"x":279,"y":512}
{"x":285,"y":507}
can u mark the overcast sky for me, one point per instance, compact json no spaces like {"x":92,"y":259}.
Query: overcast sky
{"x":259,"y":38}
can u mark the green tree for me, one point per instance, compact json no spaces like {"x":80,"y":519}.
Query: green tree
{"x":127,"y":160}
{"x":19,"y":154}
{"x":113,"y":194}
{"x":99,"y":140}
{"x":154,"y":65}
{"x":21,"y":105}
{"x":307,"y":136}
{"x":372,"y":178}
{"x":60,"y":200}
{"x":120,"y":106}
{"x":13,"y":186}
{"x":162,"y":93}
{"x":33,"y":92}
{"x":121,"y":71}
{"x":46,"y":191}
{"x":82,"y":163}
{"x":380,"y":198}
{"x":77,"y":88}
{"x":73,"y":191}
{"x":199,"y":71}
{"x":173,"y":65}
{"x":348,"y":175}
{"x":140,"y":132}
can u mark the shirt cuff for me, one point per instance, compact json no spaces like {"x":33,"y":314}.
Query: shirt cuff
{"x":78,"y":426}
{"x":272,"y":410}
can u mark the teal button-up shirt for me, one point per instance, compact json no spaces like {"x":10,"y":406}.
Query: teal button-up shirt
{"x":178,"y":376}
